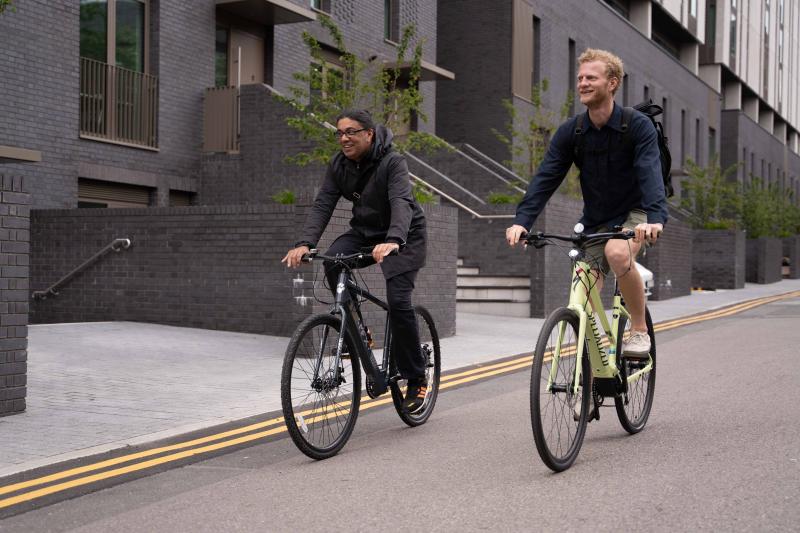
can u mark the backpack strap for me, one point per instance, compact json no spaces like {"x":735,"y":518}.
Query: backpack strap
{"x":627,"y":116}
{"x":577,"y":140}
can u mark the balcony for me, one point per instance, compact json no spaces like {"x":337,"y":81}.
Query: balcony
{"x":118,"y":105}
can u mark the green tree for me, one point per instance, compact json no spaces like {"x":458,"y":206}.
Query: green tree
{"x":323,"y":92}
{"x":713,"y":200}
{"x":6,"y":4}
{"x":527,"y":140}
{"x":769,"y":210}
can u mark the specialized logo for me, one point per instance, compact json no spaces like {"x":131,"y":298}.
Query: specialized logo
{"x":603,"y":355}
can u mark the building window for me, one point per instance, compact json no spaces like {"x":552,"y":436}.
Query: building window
{"x":684,"y":137}
{"x":693,"y":8}
{"x":536,"y":60}
{"x":572,"y":76}
{"x":712,"y":144}
{"x":221,"y":57}
{"x":118,"y":99}
{"x":321,"y":5}
{"x":765,"y":60}
{"x":732,"y":60}
{"x":697,"y":141}
{"x":391,"y":20}
{"x":623,"y":7}
{"x":114,"y":32}
{"x":98,"y":193}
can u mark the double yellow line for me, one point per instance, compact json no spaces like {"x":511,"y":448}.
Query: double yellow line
{"x":126,"y":464}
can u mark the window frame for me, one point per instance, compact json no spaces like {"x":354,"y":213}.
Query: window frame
{"x":111,"y":35}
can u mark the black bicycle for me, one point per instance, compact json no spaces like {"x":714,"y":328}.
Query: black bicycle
{"x":321,"y":376}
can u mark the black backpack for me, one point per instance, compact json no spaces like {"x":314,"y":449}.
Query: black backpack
{"x":650,"y":110}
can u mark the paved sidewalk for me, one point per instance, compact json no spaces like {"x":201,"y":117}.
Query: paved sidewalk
{"x":94,"y":387}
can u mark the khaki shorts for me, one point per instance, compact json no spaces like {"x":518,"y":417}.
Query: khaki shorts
{"x":595,"y":253}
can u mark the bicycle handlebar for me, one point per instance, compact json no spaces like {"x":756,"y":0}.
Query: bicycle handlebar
{"x":540,"y":239}
{"x":340,"y":258}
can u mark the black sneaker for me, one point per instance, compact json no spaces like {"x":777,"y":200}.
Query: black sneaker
{"x":415,"y":396}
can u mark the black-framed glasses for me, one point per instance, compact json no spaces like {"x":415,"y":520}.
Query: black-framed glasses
{"x":349,"y":132}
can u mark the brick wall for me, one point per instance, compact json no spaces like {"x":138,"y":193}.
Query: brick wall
{"x":718,"y":259}
{"x":14,"y":248}
{"x":206,"y":267}
{"x":670,"y":260}
{"x":764,"y":256}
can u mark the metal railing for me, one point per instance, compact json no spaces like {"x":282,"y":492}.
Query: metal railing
{"x":116,"y":245}
{"x":221,"y":120}
{"x":118,"y":104}
{"x":497,"y":165}
{"x":458,"y":204}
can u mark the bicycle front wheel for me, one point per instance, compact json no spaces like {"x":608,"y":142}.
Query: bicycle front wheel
{"x":320,"y":399}
{"x":559,"y":405}
{"x":429,"y":346}
{"x":633,"y":407}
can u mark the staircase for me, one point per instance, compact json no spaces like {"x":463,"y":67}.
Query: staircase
{"x":491,"y":295}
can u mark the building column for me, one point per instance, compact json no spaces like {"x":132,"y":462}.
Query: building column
{"x":14,"y":289}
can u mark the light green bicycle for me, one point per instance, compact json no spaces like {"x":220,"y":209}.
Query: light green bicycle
{"x":575,"y":366}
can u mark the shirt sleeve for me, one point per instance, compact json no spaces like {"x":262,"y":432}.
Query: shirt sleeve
{"x":401,"y":200}
{"x":548,"y":177}
{"x":647,"y":167}
{"x":322,"y":210}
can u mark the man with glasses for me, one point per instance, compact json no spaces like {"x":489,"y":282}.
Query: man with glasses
{"x":373,"y":176}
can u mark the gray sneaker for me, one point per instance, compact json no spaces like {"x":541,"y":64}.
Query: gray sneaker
{"x":637,"y":345}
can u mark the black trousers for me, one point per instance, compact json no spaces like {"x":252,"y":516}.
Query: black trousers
{"x":405,"y":333}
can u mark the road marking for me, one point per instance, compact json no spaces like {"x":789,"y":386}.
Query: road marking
{"x":447,"y":381}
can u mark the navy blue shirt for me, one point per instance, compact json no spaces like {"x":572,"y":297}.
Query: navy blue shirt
{"x":614,"y":181}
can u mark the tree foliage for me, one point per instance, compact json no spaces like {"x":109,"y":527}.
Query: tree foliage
{"x":392,"y":95}
{"x":527,"y":139}
{"x":7,"y":4}
{"x":714,"y":201}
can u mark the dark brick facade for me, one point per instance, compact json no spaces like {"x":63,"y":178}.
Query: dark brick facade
{"x":764,"y":257}
{"x":206,"y":267}
{"x":718,"y":259}
{"x":14,"y":266}
{"x":260,"y":169}
{"x":475,"y":42}
{"x":764,"y":155}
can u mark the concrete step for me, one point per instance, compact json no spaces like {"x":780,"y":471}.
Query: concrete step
{"x":492,"y":281}
{"x":501,"y":308}
{"x":509,"y":294}
{"x":467,"y":271}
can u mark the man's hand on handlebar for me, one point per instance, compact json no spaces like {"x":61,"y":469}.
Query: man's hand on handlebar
{"x":514,"y":234}
{"x":294,"y":256}
{"x":647,"y":232}
{"x":382,"y":250}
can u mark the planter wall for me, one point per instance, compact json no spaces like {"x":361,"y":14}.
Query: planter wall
{"x":718,"y":259}
{"x":764,"y":256}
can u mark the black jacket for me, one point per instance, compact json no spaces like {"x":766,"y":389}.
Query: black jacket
{"x":385,"y":211}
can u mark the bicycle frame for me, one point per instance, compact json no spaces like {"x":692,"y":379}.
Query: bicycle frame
{"x":585,"y":304}
{"x":346,"y":305}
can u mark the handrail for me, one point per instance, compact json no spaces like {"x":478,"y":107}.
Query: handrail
{"x":490,"y":171}
{"x":474,"y":214}
{"x":447,"y":179}
{"x":487,"y":158}
{"x":116,"y":245}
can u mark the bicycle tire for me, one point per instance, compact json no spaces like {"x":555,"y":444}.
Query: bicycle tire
{"x":331,"y":405}
{"x":552,"y":411}
{"x":429,"y":343}
{"x":633,"y":407}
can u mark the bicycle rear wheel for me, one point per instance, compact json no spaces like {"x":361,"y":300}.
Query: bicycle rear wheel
{"x":633,"y":407}
{"x":555,"y":401}
{"x":429,"y":345}
{"x":321,"y":412}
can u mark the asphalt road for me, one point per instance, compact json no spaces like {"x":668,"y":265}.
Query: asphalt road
{"x":721,"y":452}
